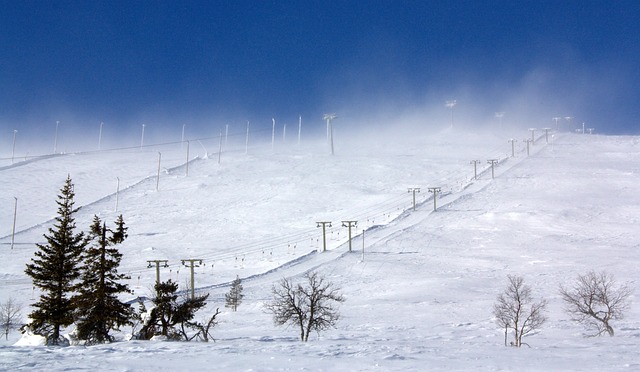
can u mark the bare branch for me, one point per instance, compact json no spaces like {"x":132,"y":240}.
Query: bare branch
{"x":514,"y":310}
{"x":595,"y":300}
{"x":309,"y":307}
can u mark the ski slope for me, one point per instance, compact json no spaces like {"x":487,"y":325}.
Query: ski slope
{"x":420,"y":294}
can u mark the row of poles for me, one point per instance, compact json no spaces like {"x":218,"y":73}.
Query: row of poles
{"x":328,"y":117}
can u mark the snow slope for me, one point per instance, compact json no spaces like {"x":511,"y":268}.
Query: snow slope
{"x":420,"y":298}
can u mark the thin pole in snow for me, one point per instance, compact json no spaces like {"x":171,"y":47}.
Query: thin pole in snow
{"x":157,"y":264}
{"x":182,"y":138}
{"x":142,"y":136}
{"x":349,"y":224}
{"x":363,"y":244}
{"x":55,"y":138}
{"x":273,"y":132}
{"x":187,"y":172}
{"x":493,"y":163}
{"x":435,"y":191}
{"x":158,"y":176}
{"x":475,"y":168}
{"x":13,"y":148}
{"x":100,"y":136}
{"x":299,"y":128}
{"x":192,"y":265}
{"x":414,"y":190}
{"x":15,"y":214}
{"x":246,"y":142}
{"x":324,"y":225}
{"x":117,"y":191}
{"x":513,"y":147}
{"x":220,"y":148}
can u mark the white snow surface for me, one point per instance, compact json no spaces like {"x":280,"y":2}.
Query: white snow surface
{"x":419,"y":298}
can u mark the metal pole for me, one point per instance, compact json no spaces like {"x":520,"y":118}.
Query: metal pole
{"x":363,"y":244}
{"x":157,"y":264}
{"x":492,"y":162}
{"x":533,"y":136}
{"x":475,"y":168}
{"x":117,"y":192}
{"x":331,"y":132}
{"x":142,"y":137}
{"x":414,"y":189}
{"x":13,"y":149}
{"x":15,"y":214}
{"x":324,"y":233}
{"x":158,"y":177}
{"x":187,"y":164}
{"x":513,"y":147}
{"x":246,"y":142}
{"x":546,"y":134}
{"x":435,"y":191}
{"x":273,"y":132}
{"x":55,"y":139}
{"x":349,"y":224}
{"x":191,"y":266}
{"x":299,"y":128}
{"x":100,"y":137}
{"x":220,"y":148}
{"x":182,"y":138}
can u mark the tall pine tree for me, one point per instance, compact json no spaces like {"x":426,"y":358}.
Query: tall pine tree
{"x":54,"y":271}
{"x":98,"y":308}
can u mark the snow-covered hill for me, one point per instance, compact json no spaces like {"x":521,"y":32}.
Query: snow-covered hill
{"x":420,"y":296}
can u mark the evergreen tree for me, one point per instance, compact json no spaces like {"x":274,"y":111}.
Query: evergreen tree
{"x":98,"y":308}
{"x":234,"y":297}
{"x":54,"y":270}
{"x":169,"y":312}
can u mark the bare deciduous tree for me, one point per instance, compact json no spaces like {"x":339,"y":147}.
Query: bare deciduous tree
{"x":309,"y":307}
{"x":10,"y":315}
{"x":516,"y":310}
{"x":204,"y":328}
{"x":595,"y":300}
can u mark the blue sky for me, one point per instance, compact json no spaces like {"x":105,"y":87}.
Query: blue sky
{"x":203,"y":62}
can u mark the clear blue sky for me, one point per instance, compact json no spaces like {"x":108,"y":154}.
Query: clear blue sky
{"x":128,"y":62}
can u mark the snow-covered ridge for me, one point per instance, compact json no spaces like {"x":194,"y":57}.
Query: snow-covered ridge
{"x":422,"y":296}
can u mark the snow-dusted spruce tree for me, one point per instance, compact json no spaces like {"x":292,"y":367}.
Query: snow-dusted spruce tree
{"x":55,"y":269}
{"x":309,"y":307}
{"x":516,"y":310}
{"x":595,"y":300}
{"x":10,"y":315}
{"x":169,"y":316}
{"x":234,"y":297}
{"x":98,"y":309}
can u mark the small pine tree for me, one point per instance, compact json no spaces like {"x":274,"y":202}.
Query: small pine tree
{"x":98,"y":308}
{"x":234,"y":297}
{"x":54,"y":271}
{"x":169,"y":313}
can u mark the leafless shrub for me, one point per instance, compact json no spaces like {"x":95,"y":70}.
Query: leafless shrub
{"x":516,"y":310}
{"x":595,"y":300}
{"x":309,"y":307}
{"x":10,"y":315}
